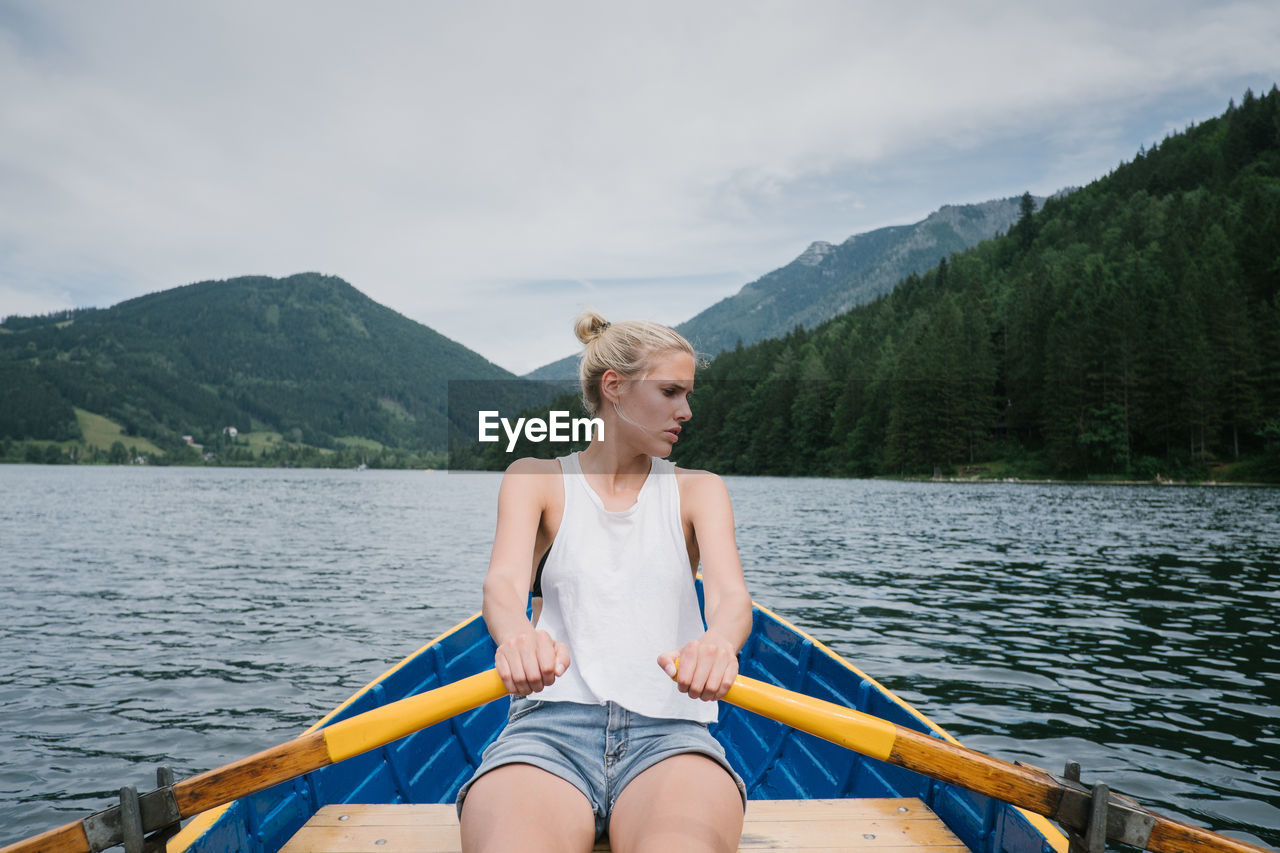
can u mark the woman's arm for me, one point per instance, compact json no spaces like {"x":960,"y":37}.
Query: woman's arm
{"x":709,"y":664}
{"x":527,"y":659}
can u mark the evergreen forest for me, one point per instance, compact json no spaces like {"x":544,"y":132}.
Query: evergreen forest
{"x":1128,"y":329}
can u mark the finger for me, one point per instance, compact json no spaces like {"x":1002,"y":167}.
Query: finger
{"x":532,"y":671}
{"x":504,"y":672}
{"x":688,"y":667}
{"x":706,"y":664}
{"x":720,"y":679}
{"x":667,"y":660}
{"x":511,"y":658}
{"x":728,"y":677}
{"x":546,"y":655}
{"x":562,"y":659}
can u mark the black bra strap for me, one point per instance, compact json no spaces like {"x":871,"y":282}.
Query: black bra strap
{"x":537,"y":577}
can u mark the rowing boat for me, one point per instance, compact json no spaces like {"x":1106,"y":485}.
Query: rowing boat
{"x":777,"y":762}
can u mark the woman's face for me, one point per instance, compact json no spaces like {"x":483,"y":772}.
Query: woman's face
{"x":651,"y":410}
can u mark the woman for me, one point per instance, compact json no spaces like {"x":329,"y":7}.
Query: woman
{"x":600,"y":739}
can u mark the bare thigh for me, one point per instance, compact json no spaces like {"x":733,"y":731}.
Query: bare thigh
{"x":683,"y":803}
{"x":522,"y":807}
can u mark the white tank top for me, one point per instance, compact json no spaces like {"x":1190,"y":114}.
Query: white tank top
{"x":618,"y":591}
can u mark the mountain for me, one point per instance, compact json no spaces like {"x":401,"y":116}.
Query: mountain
{"x":309,"y":357}
{"x":828,"y":279}
{"x":1130,"y":328}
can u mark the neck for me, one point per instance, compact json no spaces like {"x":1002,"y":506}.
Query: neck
{"x":619,"y":466}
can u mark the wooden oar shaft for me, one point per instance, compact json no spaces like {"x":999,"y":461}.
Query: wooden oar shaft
{"x":336,"y":742}
{"x":976,"y":771}
{"x":289,"y":760}
{"x":898,"y":745}
{"x":1026,"y":787}
{"x":1171,"y":835}
{"x":68,"y":838}
{"x":255,"y":773}
{"x":1031,"y":789}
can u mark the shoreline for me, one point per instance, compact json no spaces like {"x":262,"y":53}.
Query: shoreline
{"x":961,"y":480}
{"x":1064,"y":482}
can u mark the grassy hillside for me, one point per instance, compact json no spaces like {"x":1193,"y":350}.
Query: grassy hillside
{"x":307,"y":357}
{"x":100,"y":432}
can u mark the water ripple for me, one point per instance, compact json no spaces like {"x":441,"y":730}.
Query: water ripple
{"x":1130,"y":628}
{"x":196,"y":616}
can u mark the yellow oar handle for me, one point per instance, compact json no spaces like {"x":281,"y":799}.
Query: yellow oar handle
{"x":1027,"y":787}
{"x":312,"y":751}
{"x":391,"y":722}
{"x":336,"y":742}
{"x":851,"y":729}
{"x":883,"y":740}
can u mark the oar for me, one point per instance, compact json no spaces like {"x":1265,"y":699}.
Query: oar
{"x":1064,"y":800}
{"x":1034,"y":790}
{"x":320,"y":748}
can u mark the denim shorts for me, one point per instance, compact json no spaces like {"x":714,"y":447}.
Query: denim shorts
{"x":596,"y":748}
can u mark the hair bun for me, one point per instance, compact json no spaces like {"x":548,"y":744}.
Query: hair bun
{"x":589,"y":326}
{"x":630,"y":351}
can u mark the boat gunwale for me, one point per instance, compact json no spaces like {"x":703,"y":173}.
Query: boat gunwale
{"x":203,"y":822}
{"x":1040,"y":823}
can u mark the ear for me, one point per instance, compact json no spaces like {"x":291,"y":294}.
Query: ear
{"x":611,"y":385}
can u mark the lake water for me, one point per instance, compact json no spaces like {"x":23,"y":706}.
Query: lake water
{"x":194,"y":616}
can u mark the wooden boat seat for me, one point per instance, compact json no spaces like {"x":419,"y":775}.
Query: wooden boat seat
{"x":796,"y":826}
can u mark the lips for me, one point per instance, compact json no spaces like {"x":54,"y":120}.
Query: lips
{"x":674,"y":432}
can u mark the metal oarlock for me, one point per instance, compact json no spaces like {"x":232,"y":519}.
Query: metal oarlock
{"x":1089,"y":840}
{"x":1098,"y":813}
{"x":158,"y":840}
{"x":1089,"y":815}
{"x":131,"y":820}
{"x":137,"y":814}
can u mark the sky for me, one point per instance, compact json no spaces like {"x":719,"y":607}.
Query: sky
{"x":490,"y":169}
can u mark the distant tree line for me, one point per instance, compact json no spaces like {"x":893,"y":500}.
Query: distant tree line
{"x":283,"y":454}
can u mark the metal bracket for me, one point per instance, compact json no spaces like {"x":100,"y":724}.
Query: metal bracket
{"x":155,"y":812}
{"x":1091,"y":815}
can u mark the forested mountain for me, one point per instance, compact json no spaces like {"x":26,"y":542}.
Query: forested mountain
{"x":308,"y":356}
{"x":829,"y":279}
{"x":1131,"y":327}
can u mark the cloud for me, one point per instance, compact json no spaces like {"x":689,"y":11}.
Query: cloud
{"x":422,"y":150}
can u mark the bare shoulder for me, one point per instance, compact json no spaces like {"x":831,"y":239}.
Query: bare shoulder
{"x":701,"y":485}
{"x":531,"y":479}
{"x":530,"y":465}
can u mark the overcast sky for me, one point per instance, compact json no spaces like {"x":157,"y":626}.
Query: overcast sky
{"x":489,"y":169}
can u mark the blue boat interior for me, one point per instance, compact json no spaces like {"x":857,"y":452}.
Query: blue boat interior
{"x":776,"y":761}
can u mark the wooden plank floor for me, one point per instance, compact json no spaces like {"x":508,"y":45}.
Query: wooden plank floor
{"x":796,"y":826}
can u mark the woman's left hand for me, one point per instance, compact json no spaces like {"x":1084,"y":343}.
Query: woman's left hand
{"x":708,"y":666}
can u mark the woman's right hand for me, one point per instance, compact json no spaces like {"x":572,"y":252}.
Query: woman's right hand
{"x":529,"y":661}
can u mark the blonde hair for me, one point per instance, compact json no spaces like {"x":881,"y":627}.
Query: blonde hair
{"x":627,"y":347}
